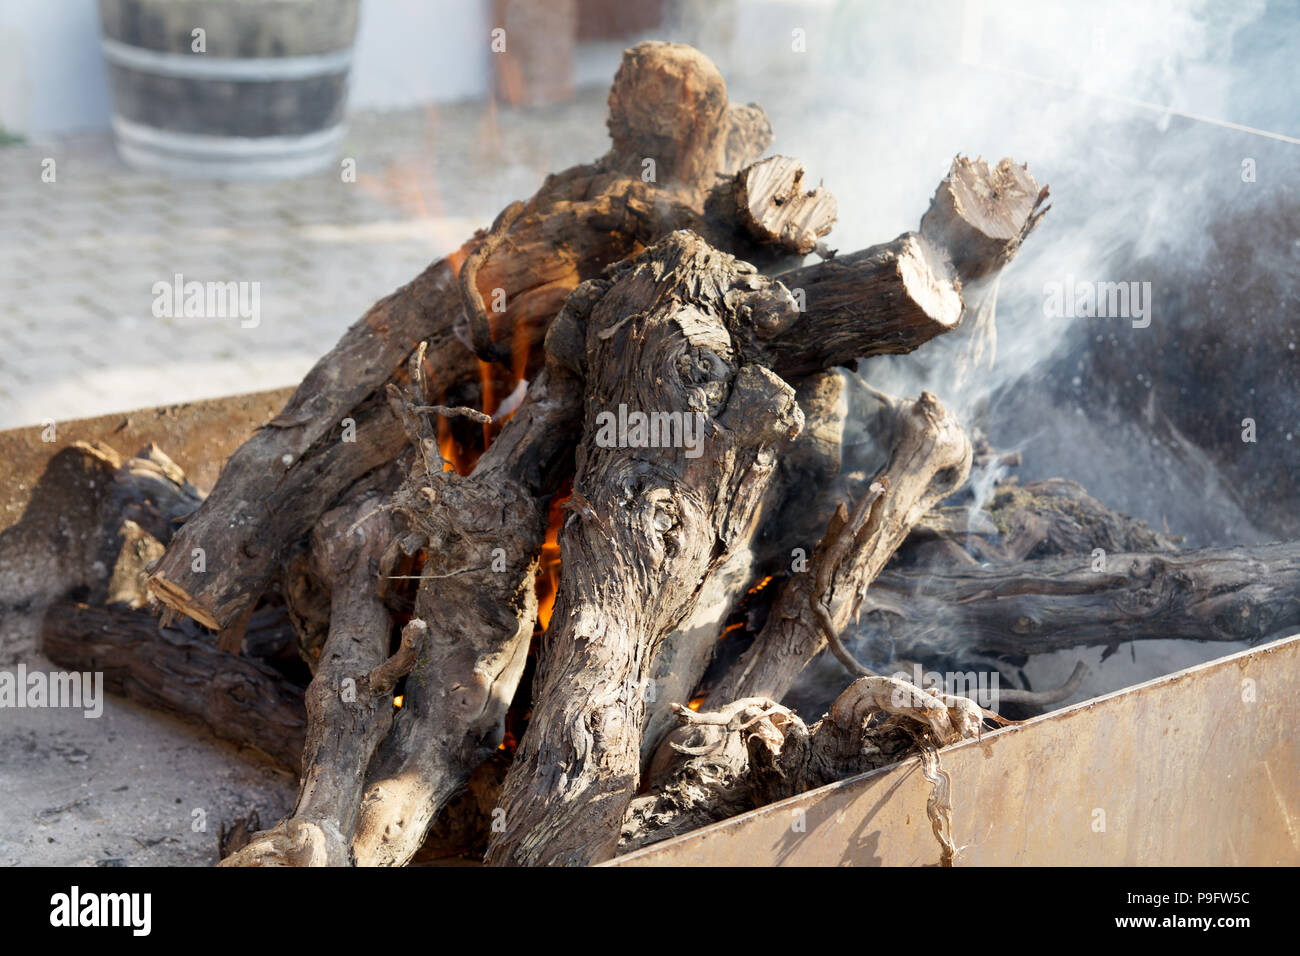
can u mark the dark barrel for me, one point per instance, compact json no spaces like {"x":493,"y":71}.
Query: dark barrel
{"x":264,"y":100}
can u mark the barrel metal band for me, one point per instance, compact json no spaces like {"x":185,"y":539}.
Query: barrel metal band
{"x":227,"y":147}
{"x":200,"y":66}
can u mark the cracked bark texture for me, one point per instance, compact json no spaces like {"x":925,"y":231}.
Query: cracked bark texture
{"x":349,"y":700}
{"x":648,"y":526}
{"x":811,"y":462}
{"x":929,"y":459}
{"x":668,"y":104}
{"x":753,"y":751}
{"x":482,"y":533}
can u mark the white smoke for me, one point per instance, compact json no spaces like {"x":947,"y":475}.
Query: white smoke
{"x":1157,"y":124}
{"x":1140,"y":117}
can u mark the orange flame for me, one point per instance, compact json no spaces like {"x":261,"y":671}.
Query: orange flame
{"x":489,"y":399}
{"x":454,"y":457}
{"x":520,"y":349}
{"x":548,"y":570}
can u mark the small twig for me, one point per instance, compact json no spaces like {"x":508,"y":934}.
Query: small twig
{"x":410,"y":407}
{"x":55,"y":811}
{"x":1042,"y":698}
{"x":382,"y":679}
{"x":452,"y":411}
{"x":730,"y":718}
{"x":884,"y":398}
{"x":578,"y":504}
{"x":611,"y":331}
{"x":378,"y":509}
{"x":839,"y":544}
{"x":404,"y":403}
{"x":480,"y":330}
{"x":431,"y":577}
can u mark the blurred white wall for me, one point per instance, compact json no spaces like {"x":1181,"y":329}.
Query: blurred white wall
{"x":421,"y":51}
{"x":52,"y":76}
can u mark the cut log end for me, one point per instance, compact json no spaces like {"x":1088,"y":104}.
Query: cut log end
{"x":177,"y":598}
{"x":980,"y":215}
{"x":775,"y":208}
{"x":928,"y":280}
{"x":889,"y":299}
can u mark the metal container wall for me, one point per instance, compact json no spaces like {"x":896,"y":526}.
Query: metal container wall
{"x":1198,"y":768}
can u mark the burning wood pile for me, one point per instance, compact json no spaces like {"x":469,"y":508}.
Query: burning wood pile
{"x":507,"y":519}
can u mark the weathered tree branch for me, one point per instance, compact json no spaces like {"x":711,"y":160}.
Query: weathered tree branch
{"x":1049,"y":604}
{"x":668,"y":105}
{"x":930,"y":458}
{"x":650,"y":523}
{"x":349,"y":701}
{"x":178,"y":671}
{"x":753,"y":751}
{"x":482,"y":534}
{"x":812,"y":461}
{"x":889,"y":299}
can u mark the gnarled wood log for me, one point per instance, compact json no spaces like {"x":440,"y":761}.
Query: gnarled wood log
{"x":654,"y":514}
{"x":350,"y":699}
{"x":753,"y":751}
{"x":178,"y":671}
{"x":930,"y":458}
{"x":1049,"y":604}
{"x":482,"y":533}
{"x":668,"y":106}
{"x":813,"y":460}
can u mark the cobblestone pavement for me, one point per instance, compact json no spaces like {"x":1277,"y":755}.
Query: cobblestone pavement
{"x":79,"y":256}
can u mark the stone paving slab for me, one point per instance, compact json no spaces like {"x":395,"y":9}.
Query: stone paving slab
{"x":80,"y":256}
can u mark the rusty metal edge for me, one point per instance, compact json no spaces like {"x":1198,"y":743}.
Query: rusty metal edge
{"x":199,"y":436}
{"x":1199,"y":767}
